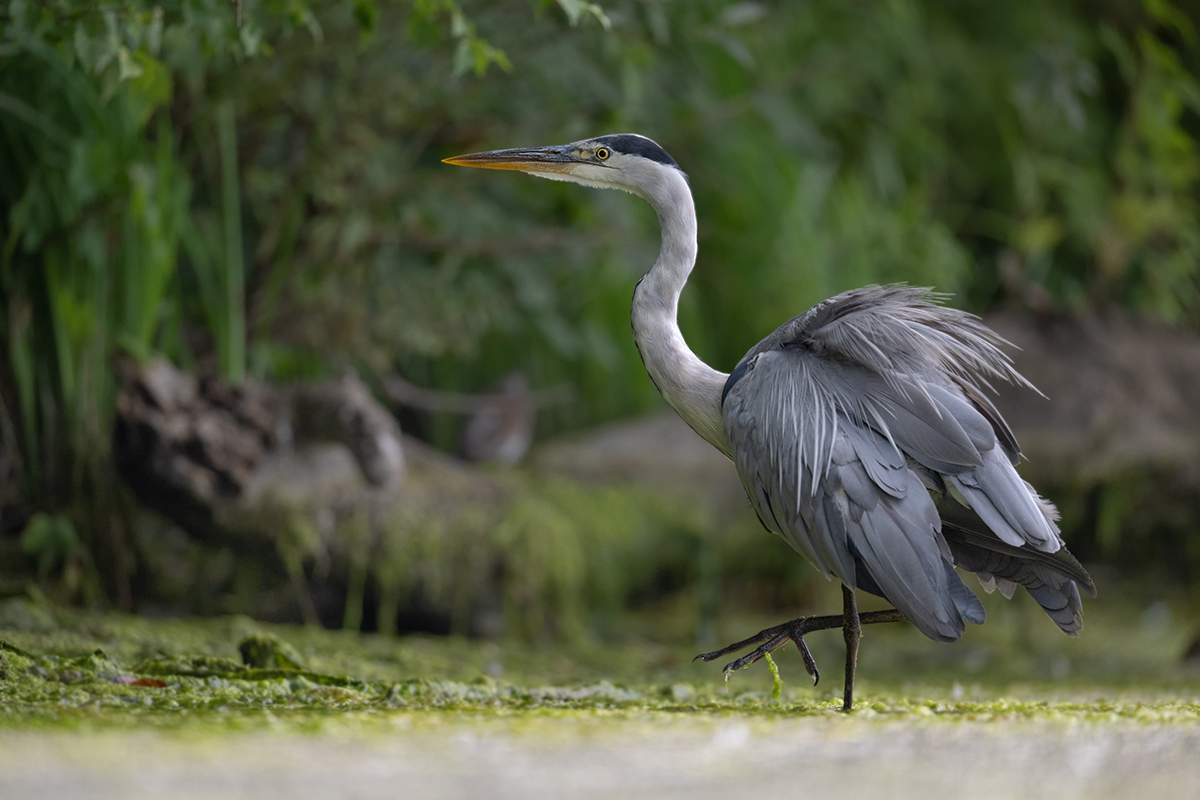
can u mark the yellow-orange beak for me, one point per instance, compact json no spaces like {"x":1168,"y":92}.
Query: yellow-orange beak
{"x":524,"y":159}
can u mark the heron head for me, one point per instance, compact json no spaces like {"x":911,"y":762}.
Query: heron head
{"x":624,"y":161}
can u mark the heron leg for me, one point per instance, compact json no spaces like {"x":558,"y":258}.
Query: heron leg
{"x":852,"y":631}
{"x":771,"y":639}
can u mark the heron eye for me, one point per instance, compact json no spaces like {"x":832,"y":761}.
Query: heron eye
{"x":602,"y":153}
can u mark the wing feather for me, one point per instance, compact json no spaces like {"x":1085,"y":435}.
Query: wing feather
{"x":844,"y":420}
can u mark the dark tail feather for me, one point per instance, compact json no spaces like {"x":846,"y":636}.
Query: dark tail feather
{"x":967,"y":603}
{"x":1052,"y":579}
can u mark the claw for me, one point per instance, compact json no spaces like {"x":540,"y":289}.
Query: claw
{"x":810,"y":664}
{"x":772,"y":639}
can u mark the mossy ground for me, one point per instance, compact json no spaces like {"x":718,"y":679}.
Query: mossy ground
{"x":71,"y":669}
{"x":104,"y":706}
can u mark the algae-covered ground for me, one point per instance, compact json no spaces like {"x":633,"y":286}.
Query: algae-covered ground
{"x":102,"y":705}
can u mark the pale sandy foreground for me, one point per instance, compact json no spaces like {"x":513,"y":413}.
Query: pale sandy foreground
{"x":560,"y":758}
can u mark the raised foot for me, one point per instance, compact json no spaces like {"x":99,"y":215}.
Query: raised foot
{"x":772,"y":639}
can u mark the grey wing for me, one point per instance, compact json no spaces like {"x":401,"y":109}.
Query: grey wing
{"x":841,"y":493}
{"x":1053,"y":580}
{"x":841,"y":422}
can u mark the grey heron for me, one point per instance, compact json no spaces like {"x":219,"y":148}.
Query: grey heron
{"x":861,"y":429}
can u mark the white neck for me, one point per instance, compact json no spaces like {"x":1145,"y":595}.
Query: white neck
{"x":689,"y":385}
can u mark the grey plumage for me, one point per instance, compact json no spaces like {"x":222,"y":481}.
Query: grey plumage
{"x":1052,"y":579}
{"x":844,"y":419}
{"x":861,"y":429}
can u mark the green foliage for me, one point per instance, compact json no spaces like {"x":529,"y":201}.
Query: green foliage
{"x":558,"y":558}
{"x":1036,"y":157}
{"x":93,"y":206}
{"x":51,"y":541}
{"x":123,"y":221}
{"x":471,"y":53}
{"x":256,"y":188}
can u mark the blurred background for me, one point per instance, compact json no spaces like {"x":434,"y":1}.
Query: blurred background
{"x":263,"y":353}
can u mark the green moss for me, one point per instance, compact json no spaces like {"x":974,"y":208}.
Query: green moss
{"x":266,"y":651}
{"x":551,"y":554}
{"x":90,"y":672}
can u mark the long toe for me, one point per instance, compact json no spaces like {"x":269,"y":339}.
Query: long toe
{"x":765,"y":635}
{"x":771,"y":640}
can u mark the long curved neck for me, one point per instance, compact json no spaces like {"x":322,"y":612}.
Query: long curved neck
{"x":689,"y":385}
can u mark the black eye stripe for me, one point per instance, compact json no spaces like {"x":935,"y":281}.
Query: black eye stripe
{"x":633,"y":144}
